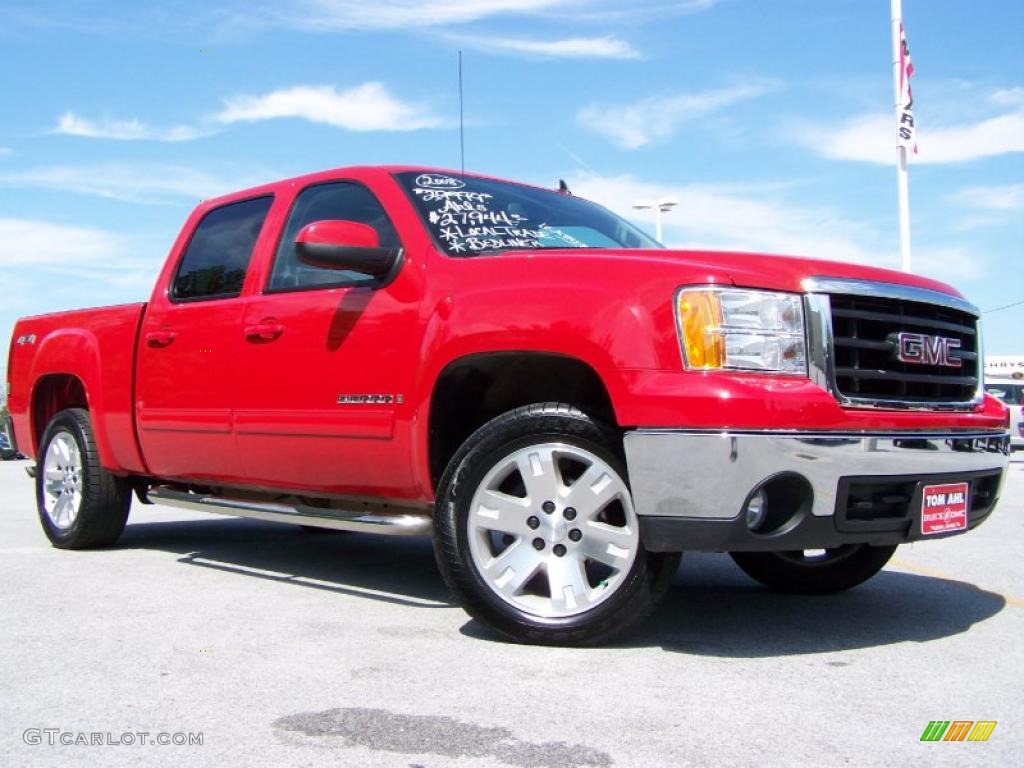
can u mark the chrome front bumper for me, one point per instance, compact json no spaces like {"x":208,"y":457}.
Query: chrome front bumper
{"x":692,"y":487}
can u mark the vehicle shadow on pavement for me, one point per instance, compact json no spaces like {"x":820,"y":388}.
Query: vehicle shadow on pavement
{"x":399,"y":570}
{"x":714,"y":609}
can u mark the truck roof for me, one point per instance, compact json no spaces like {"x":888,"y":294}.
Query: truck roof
{"x":794,"y":267}
{"x":352,"y":171}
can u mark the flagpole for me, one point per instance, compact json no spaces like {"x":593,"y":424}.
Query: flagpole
{"x":902,"y":184}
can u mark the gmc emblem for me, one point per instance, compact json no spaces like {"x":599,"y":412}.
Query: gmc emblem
{"x":921,"y":349}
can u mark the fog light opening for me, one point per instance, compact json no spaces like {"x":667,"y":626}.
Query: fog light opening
{"x":778,"y":504}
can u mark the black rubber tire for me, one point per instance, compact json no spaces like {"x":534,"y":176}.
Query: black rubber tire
{"x":841,"y":569}
{"x":316,"y":530}
{"x":106,"y":498}
{"x":644,"y":586}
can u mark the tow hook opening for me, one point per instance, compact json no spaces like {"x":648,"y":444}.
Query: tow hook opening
{"x":778,"y":504}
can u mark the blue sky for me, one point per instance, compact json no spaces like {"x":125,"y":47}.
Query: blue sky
{"x":769,"y":121}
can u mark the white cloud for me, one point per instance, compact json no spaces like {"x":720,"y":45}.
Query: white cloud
{"x":1009,"y":97}
{"x":40,"y":247}
{"x":346,"y":15}
{"x":872,"y":139}
{"x":955,"y":265}
{"x":650,"y":10}
{"x":989,"y":206}
{"x":632,"y":126}
{"x":1003,"y":197}
{"x":70,"y":124}
{"x":405,"y":14}
{"x":721,"y":216}
{"x":367,"y":107}
{"x":136,"y":183}
{"x":734,"y":218}
{"x":35,"y":243}
{"x":566,"y":48}
{"x":62,"y":266}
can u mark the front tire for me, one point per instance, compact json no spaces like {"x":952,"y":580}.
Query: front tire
{"x":813,"y":572}
{"x":535,"y":532}
{"x":81,"y":505}
{"x":316,"y":530}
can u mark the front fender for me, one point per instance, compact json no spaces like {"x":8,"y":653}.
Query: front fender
{"x":608,"y":337}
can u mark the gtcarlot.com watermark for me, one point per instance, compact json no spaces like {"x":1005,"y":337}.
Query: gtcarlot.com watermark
{"x":60,"y":737}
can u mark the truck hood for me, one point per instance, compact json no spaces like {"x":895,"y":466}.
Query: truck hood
{"x":755,"y":270}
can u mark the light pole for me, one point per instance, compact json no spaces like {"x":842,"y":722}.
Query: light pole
{"x":660,"y":206}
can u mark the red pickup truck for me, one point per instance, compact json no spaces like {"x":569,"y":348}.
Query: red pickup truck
{"x":561,"y":402}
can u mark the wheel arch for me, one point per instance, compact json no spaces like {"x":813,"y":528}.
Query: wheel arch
{"x":53,"y":393}
{"x":471,"y":390}
{"x":57,"y":385}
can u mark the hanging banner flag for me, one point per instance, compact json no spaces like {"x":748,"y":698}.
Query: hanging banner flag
{"x":907,"y":130}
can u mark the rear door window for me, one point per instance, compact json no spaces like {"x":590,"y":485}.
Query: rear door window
{"x":217,"y":256}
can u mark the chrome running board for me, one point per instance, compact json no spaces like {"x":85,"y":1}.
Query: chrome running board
{"x":381,"y":521}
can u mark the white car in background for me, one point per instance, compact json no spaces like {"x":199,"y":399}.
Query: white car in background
{"x":1011,"y":392}
{"x":7,"y":451}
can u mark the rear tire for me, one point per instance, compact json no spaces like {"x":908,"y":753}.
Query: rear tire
{"x":81,"y":505}
{"x":797,"y":573}
{"x":558,"y":560}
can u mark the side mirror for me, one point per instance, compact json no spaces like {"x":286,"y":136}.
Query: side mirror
{"x":338,"y":244}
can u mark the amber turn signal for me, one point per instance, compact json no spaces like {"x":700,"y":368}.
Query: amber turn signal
{"x":700,"y":323}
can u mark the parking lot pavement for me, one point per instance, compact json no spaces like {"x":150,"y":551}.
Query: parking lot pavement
{"x":288,"y":648}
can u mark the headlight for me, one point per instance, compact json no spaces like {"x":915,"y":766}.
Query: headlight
{"x":737,"y":329}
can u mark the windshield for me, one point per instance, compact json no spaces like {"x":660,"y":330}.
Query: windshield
{"x":469,"y":216}
{"x":1011,"y":394}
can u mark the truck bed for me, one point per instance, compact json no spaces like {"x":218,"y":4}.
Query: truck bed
{"x":99,"y":345}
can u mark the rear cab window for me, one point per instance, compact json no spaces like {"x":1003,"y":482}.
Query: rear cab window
{"x":217,"y":257}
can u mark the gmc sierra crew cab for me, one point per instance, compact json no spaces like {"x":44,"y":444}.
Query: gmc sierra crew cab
{"x":561,"y":402}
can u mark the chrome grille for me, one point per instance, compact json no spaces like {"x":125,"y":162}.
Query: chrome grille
{"x":859,"y":329}
{"x":865,"y":333}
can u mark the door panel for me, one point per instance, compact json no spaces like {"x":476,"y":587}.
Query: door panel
{"x":313,"y":423}
{"x":338,"y":344}
{"x":323,"y":399}
{"x":189,"y":348}
{"x":185,"y":391}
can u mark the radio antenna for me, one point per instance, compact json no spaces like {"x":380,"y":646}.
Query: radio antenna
{"x":462,"y":131}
